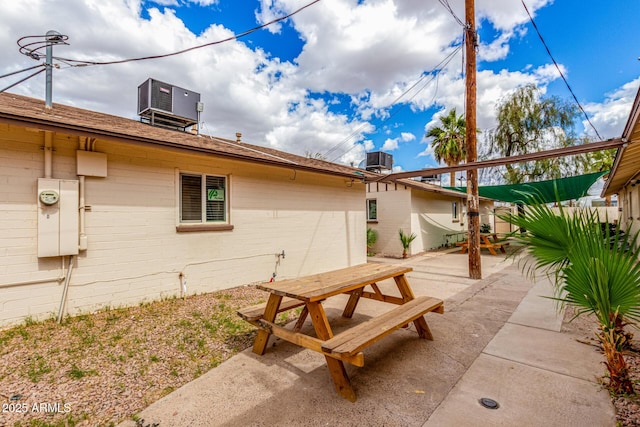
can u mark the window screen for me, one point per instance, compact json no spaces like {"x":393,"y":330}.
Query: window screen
{"x":372,"y":209}
{"x":190,"y":198}
{"x":216,"y":198}
{"x":198,"y":204}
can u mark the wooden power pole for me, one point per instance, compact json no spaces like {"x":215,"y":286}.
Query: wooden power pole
{"x":473,"y":200}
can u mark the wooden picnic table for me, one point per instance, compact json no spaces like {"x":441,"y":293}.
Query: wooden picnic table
{"x":489,"y":241}
{"x":310,"y":291}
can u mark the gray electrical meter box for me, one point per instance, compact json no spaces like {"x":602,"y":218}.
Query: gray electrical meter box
{"x":58,"y":216}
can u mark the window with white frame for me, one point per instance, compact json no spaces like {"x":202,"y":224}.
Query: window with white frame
{"x":455,"y":213}
{"x":203,"y":198}
{"x":372,"y":210}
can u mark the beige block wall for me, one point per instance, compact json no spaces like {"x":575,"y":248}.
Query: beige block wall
{"x":394,"y":213}
{"x":432,"y":220}
{"x":629,"y":212}
{"x":134,"y":251}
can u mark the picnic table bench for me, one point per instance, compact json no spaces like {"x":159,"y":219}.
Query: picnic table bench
{"x":489,"y":241}
{"x":310,"y":291}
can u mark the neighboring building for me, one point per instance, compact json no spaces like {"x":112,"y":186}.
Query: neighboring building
{"x":436,"y":215}
{"x":624,"y":178}
{"x":125,"y":212}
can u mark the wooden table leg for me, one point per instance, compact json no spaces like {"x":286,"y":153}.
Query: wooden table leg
{"x":270,"y":312}
{"x":336,"y":367}
{"x":407,"y":295}
{"x":404,"y":288}
{"x":352,"y":303}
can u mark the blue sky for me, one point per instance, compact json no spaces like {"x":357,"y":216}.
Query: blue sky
{"x":325,"y":81}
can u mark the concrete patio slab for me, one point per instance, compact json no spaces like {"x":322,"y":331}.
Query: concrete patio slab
{"x":407,"y":381}
{"x":527,"y":396}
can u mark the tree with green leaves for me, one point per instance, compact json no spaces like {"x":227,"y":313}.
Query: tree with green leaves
{"x":449,"y":141}
{"x":593,"y":268}
{"x":528,"y":123}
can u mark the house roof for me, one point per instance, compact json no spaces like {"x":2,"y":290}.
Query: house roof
{"x":30,"y":112}
{"x":626,"y":166}
{"x":432,"y":188}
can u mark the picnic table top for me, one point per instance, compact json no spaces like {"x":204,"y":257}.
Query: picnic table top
{"x":320,"y":286}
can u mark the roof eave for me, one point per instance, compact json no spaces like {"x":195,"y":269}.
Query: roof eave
{"x":122,"y":137}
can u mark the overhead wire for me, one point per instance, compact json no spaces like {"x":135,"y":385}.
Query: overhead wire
{"x":21,"y":71}
{"x":447,"y":6}
{"x":560,"y":71}
{"x":434,"y":74}
{"x":83,"y":63}
{"x":22,"y":80}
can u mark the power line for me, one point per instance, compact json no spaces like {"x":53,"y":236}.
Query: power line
{"x":21,"y":71}
{"x":81,"y":63}
{"x":559,"y":70}
{"x":434,"y":76}
{"x":20,"y":81}
{"x":447,"y":6}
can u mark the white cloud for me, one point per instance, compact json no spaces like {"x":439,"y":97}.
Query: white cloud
{"x":407,"y":136}
{"x":390,"y":144}
{"x":610,"y":116}
{"x":246,"y":89}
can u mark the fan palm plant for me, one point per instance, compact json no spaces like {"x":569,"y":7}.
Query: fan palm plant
{"x":449,"y":141}
{"x":596,"y":273}
{"x":406,"y":240}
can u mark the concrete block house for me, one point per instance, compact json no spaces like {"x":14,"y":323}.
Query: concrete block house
{"x":119,"y":212}
{"x":436,"y":215}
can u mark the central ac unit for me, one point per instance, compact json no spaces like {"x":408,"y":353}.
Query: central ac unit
{"x":158,"y":97}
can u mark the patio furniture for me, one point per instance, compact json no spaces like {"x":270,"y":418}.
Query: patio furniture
{"x":347,"y":345}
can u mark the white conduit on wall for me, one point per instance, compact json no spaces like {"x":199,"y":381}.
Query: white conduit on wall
{"x":63,"y":301}
{"x":31,"y":282}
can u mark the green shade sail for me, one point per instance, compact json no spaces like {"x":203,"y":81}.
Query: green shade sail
{"x":571,"y":188}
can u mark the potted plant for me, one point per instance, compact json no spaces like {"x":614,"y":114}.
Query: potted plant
{"x":406,"y":240}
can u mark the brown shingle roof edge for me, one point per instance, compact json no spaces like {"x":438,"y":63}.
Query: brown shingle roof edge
{"x":30,"y":112}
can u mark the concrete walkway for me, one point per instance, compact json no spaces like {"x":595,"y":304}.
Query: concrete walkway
{"x":498,"y":339}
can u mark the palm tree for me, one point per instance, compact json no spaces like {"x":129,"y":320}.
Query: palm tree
{"x":595,"y":272}
{"x":449,"y":141}
{"x":405,"y":240}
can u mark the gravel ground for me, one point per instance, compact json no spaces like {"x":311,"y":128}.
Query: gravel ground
{"x":102,"y":368}
{"x":99,"y":369}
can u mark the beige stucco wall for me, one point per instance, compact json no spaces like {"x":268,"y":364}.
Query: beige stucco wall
{"x":432,"y":220}
{"x":427,"y":214}
{"x":394,"y":213}
{"x":134,"y":251}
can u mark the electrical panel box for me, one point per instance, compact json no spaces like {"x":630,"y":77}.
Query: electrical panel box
{"x":58,"y":217}
{"x":91,"y":163}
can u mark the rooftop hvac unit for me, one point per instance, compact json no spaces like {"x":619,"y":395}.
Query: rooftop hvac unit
{"x":163,"y":104}
{"x":431,"y":179}
{"x":378,"y":160}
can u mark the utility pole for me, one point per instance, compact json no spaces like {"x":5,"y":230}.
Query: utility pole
{"x":52,"y":37}
{"x":473,"y":200}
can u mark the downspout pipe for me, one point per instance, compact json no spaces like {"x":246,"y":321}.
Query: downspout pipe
{"x":63,"y":301}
